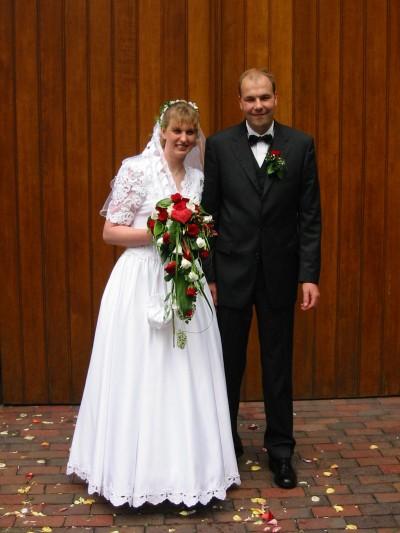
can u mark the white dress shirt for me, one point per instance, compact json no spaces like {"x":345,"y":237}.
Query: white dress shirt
{"x":261,"y":148}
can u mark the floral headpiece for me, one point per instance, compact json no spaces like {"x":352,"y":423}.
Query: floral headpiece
{"x":169,"y":103}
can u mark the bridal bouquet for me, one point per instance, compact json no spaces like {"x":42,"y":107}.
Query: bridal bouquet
{"x":181,"y":230}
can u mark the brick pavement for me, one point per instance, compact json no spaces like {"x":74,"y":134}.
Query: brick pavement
{"x":347,"y":458}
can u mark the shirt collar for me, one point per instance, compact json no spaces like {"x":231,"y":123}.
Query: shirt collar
{"x":250,"y":131}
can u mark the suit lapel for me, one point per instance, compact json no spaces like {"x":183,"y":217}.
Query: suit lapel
{"x":242,"y":151}
{"x":280,"y":142}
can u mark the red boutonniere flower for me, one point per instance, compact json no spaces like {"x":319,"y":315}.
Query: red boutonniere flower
{"x":276,"y":165}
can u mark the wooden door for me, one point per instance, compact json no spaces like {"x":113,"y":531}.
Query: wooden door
{"x":81,"y":83}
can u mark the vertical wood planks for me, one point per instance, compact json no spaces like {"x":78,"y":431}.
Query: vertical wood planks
{"x":149,"y":70}
{"x":391,"y":330}
{"x":233,"y":59}
{"x":257,"y":37}
{"x":10,"y":303}
{"x":82,"y":84}
{"x":78,"y":192}
{"x":305,"y":117}
{"x":52,"y":166}
{"x":173,"y":57}
{"x":30,"y":204}
{"x":101,"y":138}
{"x":352,"y":116}
{"x":125,"y":76}
{"x":199,"y":60}
{"x":328,"y":50}
{"x":373,"y":231}
{"x":280,"y":29}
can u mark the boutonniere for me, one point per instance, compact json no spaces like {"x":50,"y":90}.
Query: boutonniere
{"x":276,"y":165}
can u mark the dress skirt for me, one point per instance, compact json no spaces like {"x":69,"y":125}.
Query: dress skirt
{"x":154,"y":419}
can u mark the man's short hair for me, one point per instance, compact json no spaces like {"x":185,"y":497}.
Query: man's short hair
{"x":256,"y":73}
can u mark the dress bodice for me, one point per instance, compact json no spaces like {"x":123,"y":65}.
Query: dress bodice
{"x":140,"y":183}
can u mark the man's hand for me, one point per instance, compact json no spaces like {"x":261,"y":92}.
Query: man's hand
{"x":214,"y":293}
{"x":310,"y":296}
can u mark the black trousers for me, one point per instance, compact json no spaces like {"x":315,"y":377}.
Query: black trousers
{"x":275,"y":328}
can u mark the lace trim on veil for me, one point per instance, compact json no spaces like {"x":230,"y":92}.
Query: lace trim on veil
{"x":135,"y":500}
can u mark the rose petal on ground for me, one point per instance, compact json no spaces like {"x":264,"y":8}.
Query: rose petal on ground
{"x":253,"y":426}
{"x":255,"y":468}
{"x":351,"y":526}
{"x":327,"y":474}
{"x":373,"y":447}
{"x":338,"y":508}
{"x":330,"y":490}
{"x":267,"y":516}
{"x":236,"y":518}
{"x":315,"y":498}
{"x":334,"y":466}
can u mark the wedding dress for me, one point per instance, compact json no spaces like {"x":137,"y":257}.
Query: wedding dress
{"x":154,"y":419}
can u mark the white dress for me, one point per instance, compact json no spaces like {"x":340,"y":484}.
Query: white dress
{"x":154,"y":420}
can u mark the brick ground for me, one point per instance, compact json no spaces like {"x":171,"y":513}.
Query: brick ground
{"x":347,"y":459}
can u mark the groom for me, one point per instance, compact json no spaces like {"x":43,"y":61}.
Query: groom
{"x":267,"y":213}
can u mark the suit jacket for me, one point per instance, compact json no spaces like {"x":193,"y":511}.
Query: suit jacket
{"x":278,"y":227}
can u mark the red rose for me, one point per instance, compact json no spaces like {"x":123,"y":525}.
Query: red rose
{"x":187,"y":255}
{"x":170,"y":267}
{"x":191,"y":292}
{"x":176,"y":197}
{"x":151,"y":224}
{"x":162,"y":214}
{"x":189,"y":313}
{"x":181,"y":204}
{"x":276,"y":153}
{"x":166,"y":237}
{"x":204,"y":254}
{"x":181,"y":215}
{"x":193,"y":230}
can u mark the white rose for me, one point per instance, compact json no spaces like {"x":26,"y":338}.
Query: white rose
{"x":200,"y":242}
{"x":193,"y":276}
{"x":179,"y":250}
{"x":207,"y":219}
{"x":160,"y":241}
{"x":185,"y":264}
{"x":190,"y":205}
{"x":154,"y":215}
{"x":168,"y":223}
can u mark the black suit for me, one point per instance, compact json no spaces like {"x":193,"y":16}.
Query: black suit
{"x":268,"y":241}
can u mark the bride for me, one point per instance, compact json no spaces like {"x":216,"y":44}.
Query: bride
{"x":154,"y":420}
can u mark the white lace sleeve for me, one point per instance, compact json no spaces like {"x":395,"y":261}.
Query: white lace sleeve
{"x":127,"y":195}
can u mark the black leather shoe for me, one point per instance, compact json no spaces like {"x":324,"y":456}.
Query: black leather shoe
{"x":284,"y":473}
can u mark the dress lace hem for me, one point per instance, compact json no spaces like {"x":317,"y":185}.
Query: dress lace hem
{"x":174,"y":497}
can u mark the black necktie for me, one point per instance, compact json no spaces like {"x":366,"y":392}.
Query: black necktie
{"x":254,"y":139}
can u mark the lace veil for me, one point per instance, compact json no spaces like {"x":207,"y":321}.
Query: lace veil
{"x":152,"y":159}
